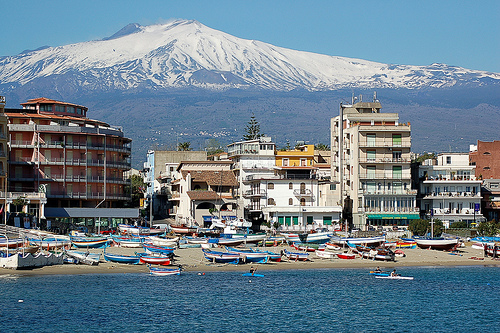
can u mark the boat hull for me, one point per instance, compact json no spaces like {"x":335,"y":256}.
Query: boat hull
{"x":164,"y":271}
{"x":438,"y":244}
{"x":346,"y":256}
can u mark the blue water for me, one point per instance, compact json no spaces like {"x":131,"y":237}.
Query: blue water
{"x":327,"y":300}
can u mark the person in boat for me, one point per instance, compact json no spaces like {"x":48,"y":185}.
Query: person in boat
{"x":378,"y":270}
{"x":253,"y":270}
{"x":393,"y":273}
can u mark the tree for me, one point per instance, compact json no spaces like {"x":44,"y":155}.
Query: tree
{"x":137,"y":188}
{"x":490,"y":228}
{"x":459,"y":225}
{"x":213,"y":146}
{"x":184,"y":146}
{"x":423,"y":227}
{"x":321,"y":146}
{"x":252,"y":130}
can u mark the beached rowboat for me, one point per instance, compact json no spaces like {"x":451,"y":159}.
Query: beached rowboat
{"x":159,"y":271}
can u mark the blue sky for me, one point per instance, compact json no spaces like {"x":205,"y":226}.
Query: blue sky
{"x":461,"y":33}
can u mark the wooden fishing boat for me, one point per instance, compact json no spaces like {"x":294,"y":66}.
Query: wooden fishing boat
{"x":346,"y":255}
{"x":123,"y":259}
{"x":159,"y":271}
{"x":183,"y":229}
{"x":128,"y":242}
{"x":50,"y":243}
{"x":297,"y":256}
{"x":307,"y":247}
{"x":406,"y":244}
{"x":438,"y":243}
{"x":81,"y":257}
{"x":221,"y":257}
{"x":316,"y":237}
{"x":291,"y":237}
{"x":326,"y":254}
{"x":232,"y":241}
{"x":332,"y":246}
{"x":367,"y":241}
{"x":154,"y":259}
{"x":163,"y":241}
{"x":158,"y":249}
{"x":378,"y":254}
{"x":276,"y":257}
{"x":89,"y":242}
{"x":11,"y":242}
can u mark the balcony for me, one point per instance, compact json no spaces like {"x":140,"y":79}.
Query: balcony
{"x":384,"y":175}
{"x":454,"y":211}
{"x":254,"y":193}
{"x":253,"y":207}
{"x":384,"y":160}
{"x":388,"y":192}
{"x":385,"y":144}
{"x":302,"y":193}
{"x":454,"y":195}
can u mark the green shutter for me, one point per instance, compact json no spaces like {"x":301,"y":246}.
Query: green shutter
{"x":396,"y":140}
{"x":327,"y":220}
{"x":281,"y":220}
{"x":310,"y":220}
{"x":295,"y":220}
{"x":288,"y":220}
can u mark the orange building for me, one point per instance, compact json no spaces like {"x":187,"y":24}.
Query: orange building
{"x":77,"y":161}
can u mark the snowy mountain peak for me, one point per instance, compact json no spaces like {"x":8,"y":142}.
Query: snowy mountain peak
{"x":182,"y":53}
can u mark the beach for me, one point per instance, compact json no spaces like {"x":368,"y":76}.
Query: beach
{"x":192,"y":260}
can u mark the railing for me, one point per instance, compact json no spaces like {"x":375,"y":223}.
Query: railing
{"x":454,"y":211}
{"x":452,"y":195}
{"x":26,"y":195}
{"x":389,"y":192}
{"x":449,"y":178}
{"x":303,"y":193}
{"x":384,"y":175}
{"x":384,"y":160}
{"x":385,"y":143}
{"x":254,"y":193}
{"x":253,"y":207}
{"x":391,"y":210}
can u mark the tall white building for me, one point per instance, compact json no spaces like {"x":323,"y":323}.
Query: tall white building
{"x":449,"y":189}
{"x":371,"y":162}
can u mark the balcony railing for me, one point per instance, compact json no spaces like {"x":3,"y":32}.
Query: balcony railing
{"x":454,"y":211}
{"x":444,"y":195}
{"x":254,"y":193}
{"x":388,"y":192}
{"x":385,"y":160}
{"x":385,"y":143}
{"x":303,"y":193}
{"x":384,"y":175}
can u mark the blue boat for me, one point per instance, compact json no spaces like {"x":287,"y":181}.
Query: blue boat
{"x":89,"y":242}
{"x":121,"y":258}
{"x":254,"y":274}
{"x":158,"y":249}
{"x":222,"y":257}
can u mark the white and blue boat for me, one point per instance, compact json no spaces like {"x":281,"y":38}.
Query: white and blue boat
{"x":120,"y":258}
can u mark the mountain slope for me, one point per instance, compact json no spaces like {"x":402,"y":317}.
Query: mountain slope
{"x":184,"y":53}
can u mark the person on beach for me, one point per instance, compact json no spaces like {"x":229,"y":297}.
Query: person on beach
{"x":253,"y":270}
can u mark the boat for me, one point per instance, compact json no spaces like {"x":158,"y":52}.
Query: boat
{"x":123,"y":259}
{"x":316,"y":237}
{"x":50,"y":243}
{"x":367,"y":241}
{"x":89,"y":242}
{"x":291,"y":237}
{"x":326,"y":254}
{"x":221,"y":257}
{"x":406,"y":244}
{"x":228,"y":241}
{"x":160,"y":271}
{"x":297,"y":256}
{"x":183,"y":229}
{"x":154,"y":259}
{"x":28,"y":260}
{"x":307,"y":247}
{"x":346,"y":255}
{"x":128,"y":242}
{"x":254,"y":274}
{"x":377,"y":254}
{"x":91,"y":259}
{"x":268,"y":254}
{"x":395,"y":277}
{"x":157,"y":249}
{"x":163,"y":241}
{"x":438,"y":243}
{"x":10,"y":242}
{"x":493,"y":250}
{"x":331,"y":246}
{"x":126,"y":229}
{"x":379,"y":273}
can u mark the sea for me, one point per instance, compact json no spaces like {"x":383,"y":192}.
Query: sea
{"x":439,"y":299}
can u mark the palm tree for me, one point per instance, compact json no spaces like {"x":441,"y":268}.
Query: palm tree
{"x":184,"y":146}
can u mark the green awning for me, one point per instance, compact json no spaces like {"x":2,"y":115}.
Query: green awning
{"x":393,"y":216}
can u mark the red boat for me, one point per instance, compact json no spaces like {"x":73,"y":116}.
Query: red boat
{"x":346,"y":255}
{"x":182,"y":229}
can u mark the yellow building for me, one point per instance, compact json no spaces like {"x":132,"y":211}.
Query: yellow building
{"x":302,"y":156}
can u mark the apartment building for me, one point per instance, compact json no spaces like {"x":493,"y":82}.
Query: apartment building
{"x":371,"y":163}
{"x":449,"y":189}
{"x":202,"y":190}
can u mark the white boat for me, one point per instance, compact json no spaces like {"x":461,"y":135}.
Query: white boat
{"x":437,"y":243}
{"x":367,"y":241}
{"x":326,"y":254}
{"x":316,"y":237}
{"x":395,"y":277}
{"x":86,"y":258}
{"x":160,"y":241}
{"x":19,"y":260}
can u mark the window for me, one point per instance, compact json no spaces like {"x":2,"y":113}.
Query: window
{"x":290,"y":186}
{"x":60,"y":108}
{"x":302,"y":188}
{"x":370,"y":155}
{"x":288,"y":220}
{"x":270,"y":186}
{"x":303,"y":162}
{"x":281,"y":220}
{"x":295,"y":220}
{"x":327,"y":220}
{"x":448,"y":159}
{"x":370,"y":140}
{"x":397,"y":171}
{"x":396,"y":155}
{"x":285,"y":162}
{"x":271,"y":202}
{"x":290,"y":202}
{"x":302,"y":201}
{"x":396,"y":140}
{"x":310,"y":220}
{"x":333,"y":187}
{"x":46,"y":107}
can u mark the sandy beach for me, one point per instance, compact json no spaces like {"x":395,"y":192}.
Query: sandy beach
{"x":192,"y":260}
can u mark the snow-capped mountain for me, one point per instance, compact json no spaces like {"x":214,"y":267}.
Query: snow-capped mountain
{"x":185,"y":53}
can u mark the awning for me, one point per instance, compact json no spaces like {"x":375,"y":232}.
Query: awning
{"x":51,"y":212}
{"x":393,"y":216}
